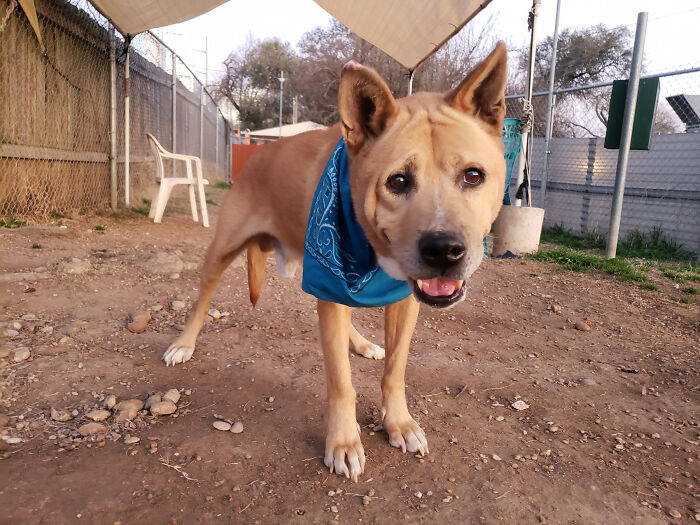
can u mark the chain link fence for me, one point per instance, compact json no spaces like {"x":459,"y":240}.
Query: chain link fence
{"x":55,"y":133}
{"x":662,"y":189}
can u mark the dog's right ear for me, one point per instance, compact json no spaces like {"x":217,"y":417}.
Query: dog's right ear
{"x":365,"y":103}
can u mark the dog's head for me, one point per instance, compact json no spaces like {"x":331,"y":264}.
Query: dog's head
{"x":427,"y":174}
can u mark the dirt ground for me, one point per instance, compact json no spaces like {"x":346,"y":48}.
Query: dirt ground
{"x":610,"y":435}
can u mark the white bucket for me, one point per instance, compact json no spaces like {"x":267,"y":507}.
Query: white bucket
{"x":517,"y":229}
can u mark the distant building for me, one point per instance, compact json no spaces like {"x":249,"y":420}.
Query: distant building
{"x":287,"y":130}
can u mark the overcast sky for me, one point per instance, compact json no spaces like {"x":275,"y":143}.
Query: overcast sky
{"x":672,"y":34}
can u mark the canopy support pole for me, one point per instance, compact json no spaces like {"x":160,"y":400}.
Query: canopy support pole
{"x":127,"y":94}
{"x":112,"y":118}
{"x":410,"y":81}
{"x":550,"y":109}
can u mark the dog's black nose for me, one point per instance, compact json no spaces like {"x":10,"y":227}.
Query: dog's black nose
{"x":441,"y":249}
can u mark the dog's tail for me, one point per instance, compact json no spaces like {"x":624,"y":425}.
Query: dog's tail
{"x":258,"y":250}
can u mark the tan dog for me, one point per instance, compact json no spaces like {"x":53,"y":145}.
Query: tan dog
{"x":427,"y":175}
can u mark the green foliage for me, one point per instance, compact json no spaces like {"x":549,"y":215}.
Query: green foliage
{"x":687,"y":299}
{"x":56,"y":215}
{"x":690,"y":290}
{"x":222,"y":185}
{"x":100,"y":229}
{"x":12,"y":222}
{"x":36,"y":246}
{"x":649,"y":286}
{"x":209,"y":201}
{"x":579,"y":261}
{"x":560,"y":235}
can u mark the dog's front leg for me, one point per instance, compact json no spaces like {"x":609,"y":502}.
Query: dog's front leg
{"x":344,"y":452}
{"x":404,"y":432}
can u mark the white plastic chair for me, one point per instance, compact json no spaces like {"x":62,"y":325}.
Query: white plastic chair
{"x":166,"y":184}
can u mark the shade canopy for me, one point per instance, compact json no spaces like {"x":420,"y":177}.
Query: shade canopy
{"x":409,"y":31}
{"x":135,"y":16}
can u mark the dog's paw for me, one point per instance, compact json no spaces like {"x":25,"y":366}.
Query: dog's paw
{"x":370,"y":351}
{"x":406,"y":434}
{"x":345,"y":454}
{"x":177,"y":354}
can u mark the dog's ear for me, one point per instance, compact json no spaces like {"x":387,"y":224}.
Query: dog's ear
{"x":482,"y":92}
{"x":365,"y":104}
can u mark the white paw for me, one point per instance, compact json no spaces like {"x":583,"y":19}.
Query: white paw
{"x":371,"y":351}
{"x":345,"y":454}
{"x":406,"y":435}
{"x":177,"y":354}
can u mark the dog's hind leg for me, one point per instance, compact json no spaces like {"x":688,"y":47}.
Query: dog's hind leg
{"x":363,"y":347}
{"x":233,"y":233}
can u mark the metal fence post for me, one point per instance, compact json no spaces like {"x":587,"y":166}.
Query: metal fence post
{"x":201,"y":122}
{"x":174,"y":97}
{"x":626,"y":136}
{"x":112,"y":119}
{"x":127,"y":126}
{"x":550,"y":109}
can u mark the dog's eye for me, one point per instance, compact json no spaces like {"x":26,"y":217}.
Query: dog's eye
{"x":399,"y":183}
{"x":470,"y":177}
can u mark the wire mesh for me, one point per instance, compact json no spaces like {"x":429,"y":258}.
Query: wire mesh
{"x":55,"y":129}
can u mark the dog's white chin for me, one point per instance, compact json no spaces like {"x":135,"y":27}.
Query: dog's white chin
{"x":392,"y":268}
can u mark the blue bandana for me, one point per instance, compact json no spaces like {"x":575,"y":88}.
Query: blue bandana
{"x":339,"y":264}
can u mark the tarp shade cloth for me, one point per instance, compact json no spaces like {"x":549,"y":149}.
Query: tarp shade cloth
{"x":409,"y":31}
{"x":30,"y":11}
{"x":136,"y":16}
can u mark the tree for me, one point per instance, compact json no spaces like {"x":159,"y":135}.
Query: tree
{"x":584,"y":56}
{"x":251,"y":80}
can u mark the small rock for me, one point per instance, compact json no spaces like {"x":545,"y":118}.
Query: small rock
{"x":215,"y":313}
{"x":110,"y":401}
{"x":60,"y":415}
{"x":27,"y":317}
{"x":178,"y":305}
{"x":139,"y":322}
{"x":152,"y":399}
{"x":172,"y":395}
{"x":520,"y":405}
{"x":12,"y":440}
{"x":237,"y":427}
{"x":21,"y":354}
{"x":128,"y":409}
{"x":98,"y":415}
{"x":331,"y":493}
{"x":9,"y":332}
{"x":4,"y":352}
{"x":156,"y":307}
{"x":675,"y":514}
{"x":4,"y":420}
{"x":73,"y":265}
{"x":92,"y":428}
{"x":334,"y":509}
{"x":163,"y":408}
{"x":163,"y":263}
{"x":174,"y":276}
{"x":131,"y":440}
{"x":582,"y":326}
{"x":418,"y":494}
{"x":16,"y":325}
{"x":554,"y":428}
{"x":496,"y":457}
{"x":588,"y":381}
{"x":366,"y":500}
{"x":499,"y":418}
{"x":188,"y":392}
{"x":222,"y":425}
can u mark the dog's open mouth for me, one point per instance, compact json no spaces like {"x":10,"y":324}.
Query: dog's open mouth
{"x":439,"y":292}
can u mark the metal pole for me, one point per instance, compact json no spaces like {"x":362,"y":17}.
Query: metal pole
{"x":410,"y":82}
{"x":550,"y":109}
{"x":112,"y":119}
{"x":281,"y":79}
{"x":526,"y":152}
{"x":626,"y":136}
{"x":201,"y":123}
{"x":127,"y":94}
{"x":174,"y":116}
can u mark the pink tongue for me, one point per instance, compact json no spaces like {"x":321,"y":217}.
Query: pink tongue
{"x":439,"y":287}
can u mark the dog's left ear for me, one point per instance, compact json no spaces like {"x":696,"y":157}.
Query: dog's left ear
{"x":365,"y":104}
{"x":482,"y":92}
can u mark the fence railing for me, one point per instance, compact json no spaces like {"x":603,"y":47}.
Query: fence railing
{"x":63,"y":143}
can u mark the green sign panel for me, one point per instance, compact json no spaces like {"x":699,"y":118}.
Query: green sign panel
{"x":647,"y":97}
